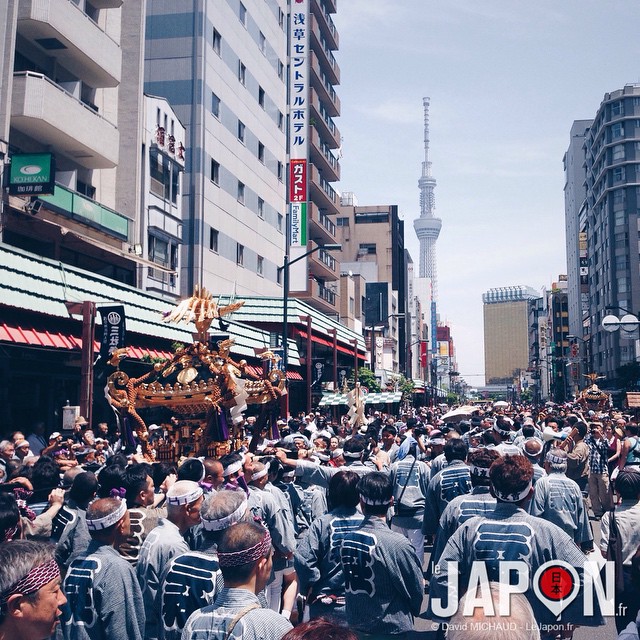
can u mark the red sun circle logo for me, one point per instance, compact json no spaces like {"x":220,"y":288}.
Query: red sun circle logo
{"x":556,"y":583}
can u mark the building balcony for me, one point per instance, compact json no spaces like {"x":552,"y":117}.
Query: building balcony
{"x":78,"y":207}
{"x":331,"y":5}
{"x":324,"y":122}
{"x":322,"y":157}
{"x":326,"y":58}
{"x":47,"y":113}
{"x":321,"y":191}
{"x":70,"y":36}
{"x":323,"y":265}
{"x":322,"y":21}
{"x":321,"y":229}
{"x":322,"y":298}
{"x":324,"y":88}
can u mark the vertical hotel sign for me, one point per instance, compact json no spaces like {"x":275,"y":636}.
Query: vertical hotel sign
{"x":298,"y":121}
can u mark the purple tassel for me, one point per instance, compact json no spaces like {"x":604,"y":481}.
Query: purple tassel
{"x":224,"y":429}
{"x":127,"y":435}
{"x":275,"y":432}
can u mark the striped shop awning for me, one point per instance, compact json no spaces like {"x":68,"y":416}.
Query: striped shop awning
{"x":384,"y":397}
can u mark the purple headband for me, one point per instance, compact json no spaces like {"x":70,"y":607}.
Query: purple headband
{"x":245,"y":556}
{"x":33,"y":581}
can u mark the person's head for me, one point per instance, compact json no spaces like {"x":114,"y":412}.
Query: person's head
{"x":45,"y":475}
{"x":334,"y":443}
{"x":83,"y":488}
{"x":376,"y":493}
{"x":388,"y":436}
{"x":22,"y":449}
{"x":110,"y":479}
{"x":455,"y":449}
{"x":476,"y":619}
{"x":160,"y":471}
{"x":631,"y":429}
{"x":138,"y":484}
{"x":213,"y":472}
{"x":108,"y":520}
{"x":354,"y":448}
{"x":232,"y":466}
{"x":343,"y":490}
{"x":627,"y":484}
{"x":7,"y":450}
{"x":17,"y":436}
{"x":245,"y":556}
{"x":9,"y":518}
{"x":555,"y":461}
{"x":511,"y":479}
{"x":581,"y":430}
{"x":480,"y":461}
{"x":30,"y":594}
{"x":320,"y":629}
{"x":222,"y":510}
{"x":259,"y":474}
{"x":184,"y":501}
{"x":321,"y":443}
{"x":192,"y":469}
{"x":532,"y":449}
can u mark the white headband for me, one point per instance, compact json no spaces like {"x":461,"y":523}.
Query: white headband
{"x":374,"y":503}
{"x":97,"y":524}
{"x":352,"y":454}
{"x":232,"y":468}
{"x":224,"y":523}
{"x":479,"y":471}
{"x":555,"y":459}
{"x":262,"y":473}
{"x":187,"y":498}
{"x":502,"y":432}
{"x":513,"y":497}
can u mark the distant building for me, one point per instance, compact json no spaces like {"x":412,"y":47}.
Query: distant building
{"x":506,"y":332}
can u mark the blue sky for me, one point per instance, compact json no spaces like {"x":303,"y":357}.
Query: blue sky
{"x":506,"y":80}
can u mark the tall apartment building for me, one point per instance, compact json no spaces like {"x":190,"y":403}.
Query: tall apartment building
{"x":561,"y":370}
{"x":506,"y":332}
{"x":372,"y":239}
{"x":222,"y":66}
{"x":313,"y":159}
{"x":612,"y":157}
{"x":64,"y":96}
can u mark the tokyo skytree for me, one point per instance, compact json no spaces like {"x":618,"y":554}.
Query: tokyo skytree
{"x":427,"y":226}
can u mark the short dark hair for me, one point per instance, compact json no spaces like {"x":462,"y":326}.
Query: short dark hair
{"x":83,"y":487}
{"x":376,"y":487}
{"x":134,"y":480}
{"x":627,"y":484}
{"x":240,"y":537}
{"x":455,"y":449}
{"x":356,"y":444}
{"x":343,"y":489}
{"x":9,"y":513}
{"x":390,"y":429}
{"x":191,"y":469}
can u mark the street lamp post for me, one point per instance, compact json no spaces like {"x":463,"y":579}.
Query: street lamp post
{"x":284,"y":269}
{"x":373,"y":338}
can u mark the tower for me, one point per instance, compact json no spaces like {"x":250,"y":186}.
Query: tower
{"x":427,"y":226}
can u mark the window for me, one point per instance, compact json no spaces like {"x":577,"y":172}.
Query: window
{"x":263,"y":43}
{"x":165,"y":176}
{"x":367,"y":248}
{"x":213,"y":239}
{"x":261,"y":97}
{"x":280,"y":222}
{"x":239,"y":255}
{"x":342,"y":222}
{"x":260,"y":266}
{"x":240,"y":192}
{"x":261,"y":152}
{"x":217,"y":41}
{"x":352,"y":306}
{"x":617,"y":152}
{"x":241,"y":130}
{"x":215,"y":105}
{"x":280,"y":120}
{"x":215,"y":172}
{"x":242,"y":73}
{"x":280,"y":171}
{"x":281,"y":18}
{"x":618,"y":174}
{"x":617,"y":109}
{"x":280,"y":70}
{"x":617,"y":130}
{"x":242,"y":14}
{"x":260,"y":207}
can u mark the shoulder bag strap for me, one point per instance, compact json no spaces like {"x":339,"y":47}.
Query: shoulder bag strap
{"x":239,"y":616}
{"x":404,"y":488}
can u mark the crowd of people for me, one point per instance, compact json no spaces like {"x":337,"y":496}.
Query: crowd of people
{"x":317,"y":528}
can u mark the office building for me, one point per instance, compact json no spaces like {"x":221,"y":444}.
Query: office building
{"x":506,"y":332}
